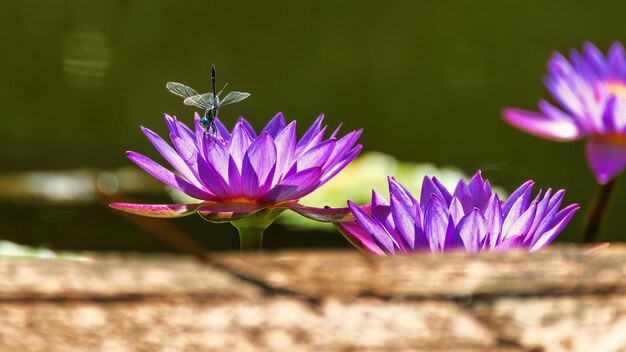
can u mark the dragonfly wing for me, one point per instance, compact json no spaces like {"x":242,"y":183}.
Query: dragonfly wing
{"x":234,"y":97}
{"x":180,"y":89}
{"x":203,"y":101}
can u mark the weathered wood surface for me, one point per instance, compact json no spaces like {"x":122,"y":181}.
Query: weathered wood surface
{"x":558,"y":300}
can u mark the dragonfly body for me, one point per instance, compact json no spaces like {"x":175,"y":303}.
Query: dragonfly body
{"x":210,"y":102}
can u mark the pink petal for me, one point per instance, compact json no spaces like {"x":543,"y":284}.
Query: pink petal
{"x":226,"y":212}
{"x":334,"y":215}
{"x":157,"y":210}
{"x":358,"y":237}
{"x":541,"y":125}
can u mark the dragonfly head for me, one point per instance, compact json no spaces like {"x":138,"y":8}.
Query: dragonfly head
{"x":205,"y":122}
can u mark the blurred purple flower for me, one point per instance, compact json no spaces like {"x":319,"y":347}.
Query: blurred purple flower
{"x":239,"y":173}
{"x":591,"y":88}
{"x":472,"y":218}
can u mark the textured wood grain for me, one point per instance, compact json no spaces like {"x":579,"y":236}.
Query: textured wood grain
{"x":558,"y":300}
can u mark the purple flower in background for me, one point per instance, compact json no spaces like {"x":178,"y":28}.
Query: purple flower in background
{"x":472,"y":218}
{"x":241,"y":177}
{"x":591,"y":89}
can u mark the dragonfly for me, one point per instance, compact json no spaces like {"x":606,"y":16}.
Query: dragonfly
{"x":210,"y":102}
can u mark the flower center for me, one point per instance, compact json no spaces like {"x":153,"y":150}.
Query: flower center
{"x":614,"y":138}
{"x":617,"y":88}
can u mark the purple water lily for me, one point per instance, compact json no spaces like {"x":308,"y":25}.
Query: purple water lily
{"x":245,"y":178}
{"x":472,"y":218}
{"x":591,"y":88}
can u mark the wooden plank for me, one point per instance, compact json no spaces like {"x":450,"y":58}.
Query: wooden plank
{"x":563,"y":299}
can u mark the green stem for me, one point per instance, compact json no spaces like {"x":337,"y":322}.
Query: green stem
{"x":251,"y":228}
{"x":250,"y":239}
{"x":596,"y":211}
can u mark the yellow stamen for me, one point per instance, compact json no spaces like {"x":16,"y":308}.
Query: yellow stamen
{"x":617,"y":88}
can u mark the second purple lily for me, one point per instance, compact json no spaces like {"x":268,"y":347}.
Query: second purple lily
{"x":471,"y":218}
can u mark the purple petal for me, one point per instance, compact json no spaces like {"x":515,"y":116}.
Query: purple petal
{"x":608,"y":117}
{"x":316,"y":156}
{"x":381,"y":211}
{"x":511,"y":243}
{"x":514,"y":213}
{"x":342,"y":147}
{"x":247,"y":126}
{"x":239,"y":143}
{"x":262,"y":156}
{"x":336,"y":131}
{"x":429,"y":188}
{"x":166,"y":176}
{"x":606,"y":157}
{"x":476,"y":187}
{"x":616,"y":59}
{"x":292,"y":186}
{"x":542,"y":209}
{"x":559,"y":66}
{"x":222,"y":131}
{"x":548,"y":217}
{"x":447,"y":197}
{"x":216,"y":154}
{"x":595,"y":58}
{"x":563,"y":93}
{"x":234,"y":179}
{"x":170,"y":155}
{"x":213,"y":181}
{"x":188,"y":152}
{"x":493,"y":216}
{"x":562,"y":219}
{"x":285,"y":148}
{"x":472,"y":230}
{"x":276,"y":124}
{"x":380,"y":206}
{"x":249,"y":180}
{"x":522,"y":191}
{"x":374,"y":229}
{"x":183,"y":132}
{"x":157,"y":210}
{"x":403,"y":212}
{"x":463,"y":194}
{"x":456,"y":210}
{"x":541,"y":125}
{"x":522,"y":224}
{"x":347,"y":159}
{"x":178,"y":128}
{"x":436,"y":224}
{"x":311,"y":132}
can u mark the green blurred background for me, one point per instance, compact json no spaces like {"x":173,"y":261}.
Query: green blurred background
{"x":427,"y":80}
